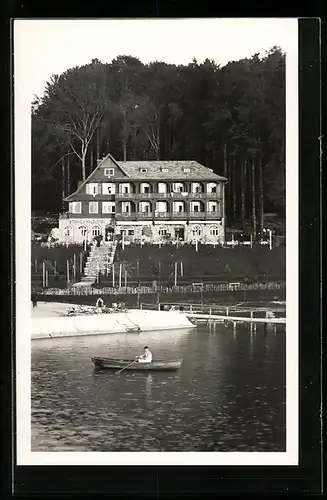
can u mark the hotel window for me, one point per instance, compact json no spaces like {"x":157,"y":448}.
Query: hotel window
{"x":130,"y":232}
{"x":109,"y":172}
{"x":214,"y":231}
{"x":196,"y":208}
{"x":162,"y":231}
{"x":95,"y":231}
{"x":196,"y":231}
{"x":108,"y":207}
{"x":93,"y":207}
{"x":75,"y":207}
{"x":67,"y":231}
{"x":92,"y":188}
{"x":82,"y":230}
{"x":214,"y":189}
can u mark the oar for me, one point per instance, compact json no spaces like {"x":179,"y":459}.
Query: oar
{"x":119,"y":371}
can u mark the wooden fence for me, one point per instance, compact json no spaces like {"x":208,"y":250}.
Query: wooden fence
{"x":221,"y":287}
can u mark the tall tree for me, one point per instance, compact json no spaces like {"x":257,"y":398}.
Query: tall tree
{"x":77,"y":101}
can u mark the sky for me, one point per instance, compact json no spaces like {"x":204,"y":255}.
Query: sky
{"x":44,"y":47}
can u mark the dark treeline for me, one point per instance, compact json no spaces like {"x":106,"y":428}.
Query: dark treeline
{"x":230,"y":118}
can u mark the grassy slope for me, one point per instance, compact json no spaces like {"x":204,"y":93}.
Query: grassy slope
{"x":142,"y":264}
{"x":208,"y":261}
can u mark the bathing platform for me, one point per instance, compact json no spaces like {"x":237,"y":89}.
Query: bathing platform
{"x":205,"y":314}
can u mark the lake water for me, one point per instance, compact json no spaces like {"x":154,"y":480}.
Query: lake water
{"x":229,"y":394}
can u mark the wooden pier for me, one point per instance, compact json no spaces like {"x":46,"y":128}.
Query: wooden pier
{"x":236,"y":314}
{"x":239,"y":319}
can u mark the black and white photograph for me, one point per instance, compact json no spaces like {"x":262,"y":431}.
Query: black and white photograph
{"x":156,"y":187}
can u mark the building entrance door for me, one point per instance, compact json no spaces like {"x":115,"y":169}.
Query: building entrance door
{"x":109,"y":233}
{"x":180,"y":233}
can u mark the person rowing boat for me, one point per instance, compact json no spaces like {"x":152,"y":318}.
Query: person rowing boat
{"x":146,"y":357}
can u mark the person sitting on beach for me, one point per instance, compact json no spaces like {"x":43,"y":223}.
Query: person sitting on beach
{"x":99,"y":303}
{"x":146,"y":357}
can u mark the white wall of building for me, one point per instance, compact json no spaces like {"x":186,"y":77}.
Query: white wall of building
{"x":126,"y":206}
{"x":212,"y":206}
{"x":196,"y":187}
{"x":108,"y":188}
{"x":197,"y":206}
{"x":179,"y":206}
{"x":161,"y":206}
{"x":92,"y":188}
{"x":212,"y":187}
{"x":143,"y":186}
{"x":125,"y":187}
{"x":162,"y":187}
{"x":144,"y":206}
{"x":178,"y":187}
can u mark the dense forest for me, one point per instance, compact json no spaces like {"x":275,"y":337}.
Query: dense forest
{"x":230,"y":118}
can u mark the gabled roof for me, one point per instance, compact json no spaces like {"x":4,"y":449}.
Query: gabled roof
{"x":93,"y":173}
{"x":175,"y":170}
{"x":156,"y":170}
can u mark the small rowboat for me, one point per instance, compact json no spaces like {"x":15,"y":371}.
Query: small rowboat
{"x":156,"y":365}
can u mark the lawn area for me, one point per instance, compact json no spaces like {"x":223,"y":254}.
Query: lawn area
{"x":143,"y":265}
{"x":226,"y":263}
{"x":55,"y":262}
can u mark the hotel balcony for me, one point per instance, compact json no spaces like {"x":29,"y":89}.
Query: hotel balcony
{"x":147,"y":196}
{"x":167,"y":215}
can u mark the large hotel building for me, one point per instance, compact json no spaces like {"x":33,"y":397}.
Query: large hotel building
{"x":151,"y":201}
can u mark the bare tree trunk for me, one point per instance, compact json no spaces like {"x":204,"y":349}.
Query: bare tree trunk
{"x":243,"y":181}
{"x":83,"y":160}
{"x":225,"y":160}
{"x":230,"y":185}
{"x":63,"y":182}
{"x":124,"y":134}
{"x":253,"y":202}
{"x":261,"y":196}
{"x":234,"y":188}
{"x":91,"y":158}
{"x":68,"y":172}
{"x":98,"y":144}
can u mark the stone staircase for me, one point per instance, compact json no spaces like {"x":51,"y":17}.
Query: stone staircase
{"x":100,"y":260}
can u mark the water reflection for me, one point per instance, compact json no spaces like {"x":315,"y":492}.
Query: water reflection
{"x":229,"y":394}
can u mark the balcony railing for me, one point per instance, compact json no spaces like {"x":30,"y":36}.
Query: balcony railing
{"x":166,"y":215}
{"x":146,"y":196}
{"x":134,"y":215}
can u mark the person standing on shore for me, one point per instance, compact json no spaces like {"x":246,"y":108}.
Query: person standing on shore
{"x":34,"y":299}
